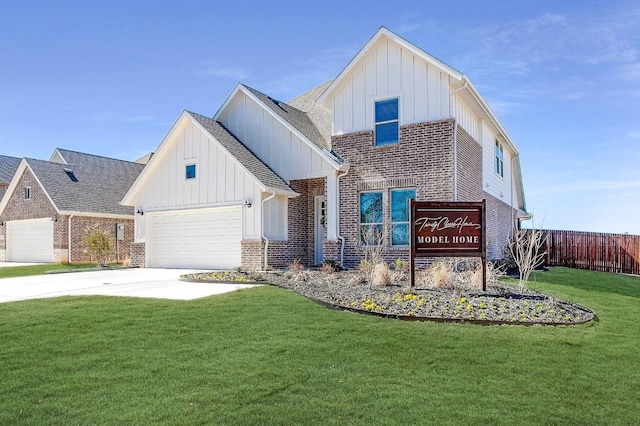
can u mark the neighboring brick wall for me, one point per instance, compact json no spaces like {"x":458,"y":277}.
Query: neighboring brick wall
{"x":469,"y":168}
{"x":80,"y":223}
{"x":422,"y":160}
{"x":39,"y":206}
{"x":499,"y":226}
{"x":137,"y":254}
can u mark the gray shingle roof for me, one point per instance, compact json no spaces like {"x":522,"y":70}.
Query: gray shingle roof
{"x":253,"y":164}
{"x":100,"y":184}
{"x":8,"y":167}
{"x":297,"y":118}
{"x":318,"y":115}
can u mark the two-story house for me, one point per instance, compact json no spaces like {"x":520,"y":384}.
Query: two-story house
{"x":328,"y":174}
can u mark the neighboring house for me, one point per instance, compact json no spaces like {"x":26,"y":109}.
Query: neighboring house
{"x":330,"y":173}
{"x":49,"y":204}
{"x":8,"y":167}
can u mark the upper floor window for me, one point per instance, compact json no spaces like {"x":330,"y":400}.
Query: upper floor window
{"x":190,"y":171}
{"x":499,"y":159}
{"x":27,"y":193}
{"x":400,"y":215}
{"x":387,"y":122}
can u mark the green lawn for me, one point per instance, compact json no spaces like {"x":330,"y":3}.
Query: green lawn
{"x":23,"y":271}
{"x":269,"y":356}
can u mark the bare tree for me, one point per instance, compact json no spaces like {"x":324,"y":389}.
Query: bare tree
{"x":526,"y":249}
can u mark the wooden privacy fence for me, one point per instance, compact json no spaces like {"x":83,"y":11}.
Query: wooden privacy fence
{"x":595,"y":251}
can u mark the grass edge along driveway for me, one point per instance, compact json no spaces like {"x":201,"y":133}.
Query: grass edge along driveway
{"x":270,"y":356}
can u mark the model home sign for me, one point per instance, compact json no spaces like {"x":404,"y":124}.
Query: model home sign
{"x":451,"y":229}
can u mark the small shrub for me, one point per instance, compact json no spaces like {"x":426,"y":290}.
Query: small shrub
{"x":126,"y":262}
{"x":358,"y":278}
{"x":301,"y":276}
{"x":256,"y":276}
{"x":400,"y":266}
{"x":296,"y":266}
{"x":365,"y":266}
{"x":381,"y":275}
{"x":329,"y":266}
{"x":98,"y":244}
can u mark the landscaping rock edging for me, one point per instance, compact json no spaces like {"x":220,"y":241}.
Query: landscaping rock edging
{"x":501,"y":305}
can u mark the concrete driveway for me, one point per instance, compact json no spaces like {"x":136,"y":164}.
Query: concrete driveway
{"x":146,"y":282}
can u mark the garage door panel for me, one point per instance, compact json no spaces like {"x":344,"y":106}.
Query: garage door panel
{"x":208,"y":239}
{"x":30,"y":240}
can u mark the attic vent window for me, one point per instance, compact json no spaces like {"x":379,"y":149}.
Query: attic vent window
{"x":69,"y":173}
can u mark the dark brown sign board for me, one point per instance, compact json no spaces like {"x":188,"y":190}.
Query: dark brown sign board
{"x":448,"y":229}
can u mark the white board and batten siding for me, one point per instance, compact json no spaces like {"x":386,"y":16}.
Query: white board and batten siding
{"x":272,"y":141}
{"x":389,"y":70}
{"x":496,"y":185}
{"x":219,"y":181}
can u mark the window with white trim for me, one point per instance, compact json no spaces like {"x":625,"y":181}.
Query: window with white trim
{"x":400,"y":216}
{"x":387,"y":123}
{"x":499,"y":166}
{"x":371,"y":218}
{"x":28,"y":193}
{"x":190,"y":171}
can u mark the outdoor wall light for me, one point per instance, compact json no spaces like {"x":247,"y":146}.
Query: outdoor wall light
{"x":54,"y":218}
{"x":247,"y":202}
{"x":1,"y":223}
{"x":140,"y":212}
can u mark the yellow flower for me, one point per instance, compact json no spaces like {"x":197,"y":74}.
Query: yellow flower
{"x":463,"y":299}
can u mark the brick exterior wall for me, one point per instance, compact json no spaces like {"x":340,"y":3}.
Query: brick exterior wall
{"x":80,"y":223}
{"x":469,"y":168}
{"x":137,"y":254}
{"x":422,"y":160}
{"x":499,"y":226}
{"x":39,"y":206}
{"x":300,"y":242}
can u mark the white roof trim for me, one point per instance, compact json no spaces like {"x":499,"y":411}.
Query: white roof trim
{"x":365,"y":49}
{"x":241,"y":87}
{"x":14,"y":183}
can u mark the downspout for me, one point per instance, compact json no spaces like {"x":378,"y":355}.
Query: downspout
{"x":266,"y":240}
{"x":340,"y":237}
{"x":69,"y":238}
{"x":513,"y":222}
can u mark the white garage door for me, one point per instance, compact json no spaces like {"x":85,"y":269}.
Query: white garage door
{"x":202,"y":238}
{"x":30,"y":240}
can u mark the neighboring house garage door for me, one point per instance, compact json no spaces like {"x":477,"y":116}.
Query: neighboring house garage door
{"x":201,"y":238}
{"x":30,"y":240}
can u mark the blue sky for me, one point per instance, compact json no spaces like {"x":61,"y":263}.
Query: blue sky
{"x":111,"y":77}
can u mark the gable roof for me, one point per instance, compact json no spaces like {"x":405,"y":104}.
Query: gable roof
{"x":384,"y":32}
{"x":319,"y":116}
{"x":8,"y":167}
{"x":295,"y":117}
{"x":88,"y":184}
{"x":266,"y":178}
{"x":269,"y":179}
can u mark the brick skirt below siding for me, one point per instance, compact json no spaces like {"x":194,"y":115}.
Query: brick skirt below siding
{"x":137,"y":254}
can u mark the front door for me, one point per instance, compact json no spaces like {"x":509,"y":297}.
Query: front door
{"x":320,"y":223}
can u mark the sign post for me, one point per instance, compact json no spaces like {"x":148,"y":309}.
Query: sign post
{"x":448,"y":229}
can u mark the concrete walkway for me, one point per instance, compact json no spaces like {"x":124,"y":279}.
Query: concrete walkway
{"x":144,"y":282}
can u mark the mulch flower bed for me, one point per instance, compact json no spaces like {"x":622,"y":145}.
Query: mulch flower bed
{"x":500,"y":304}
